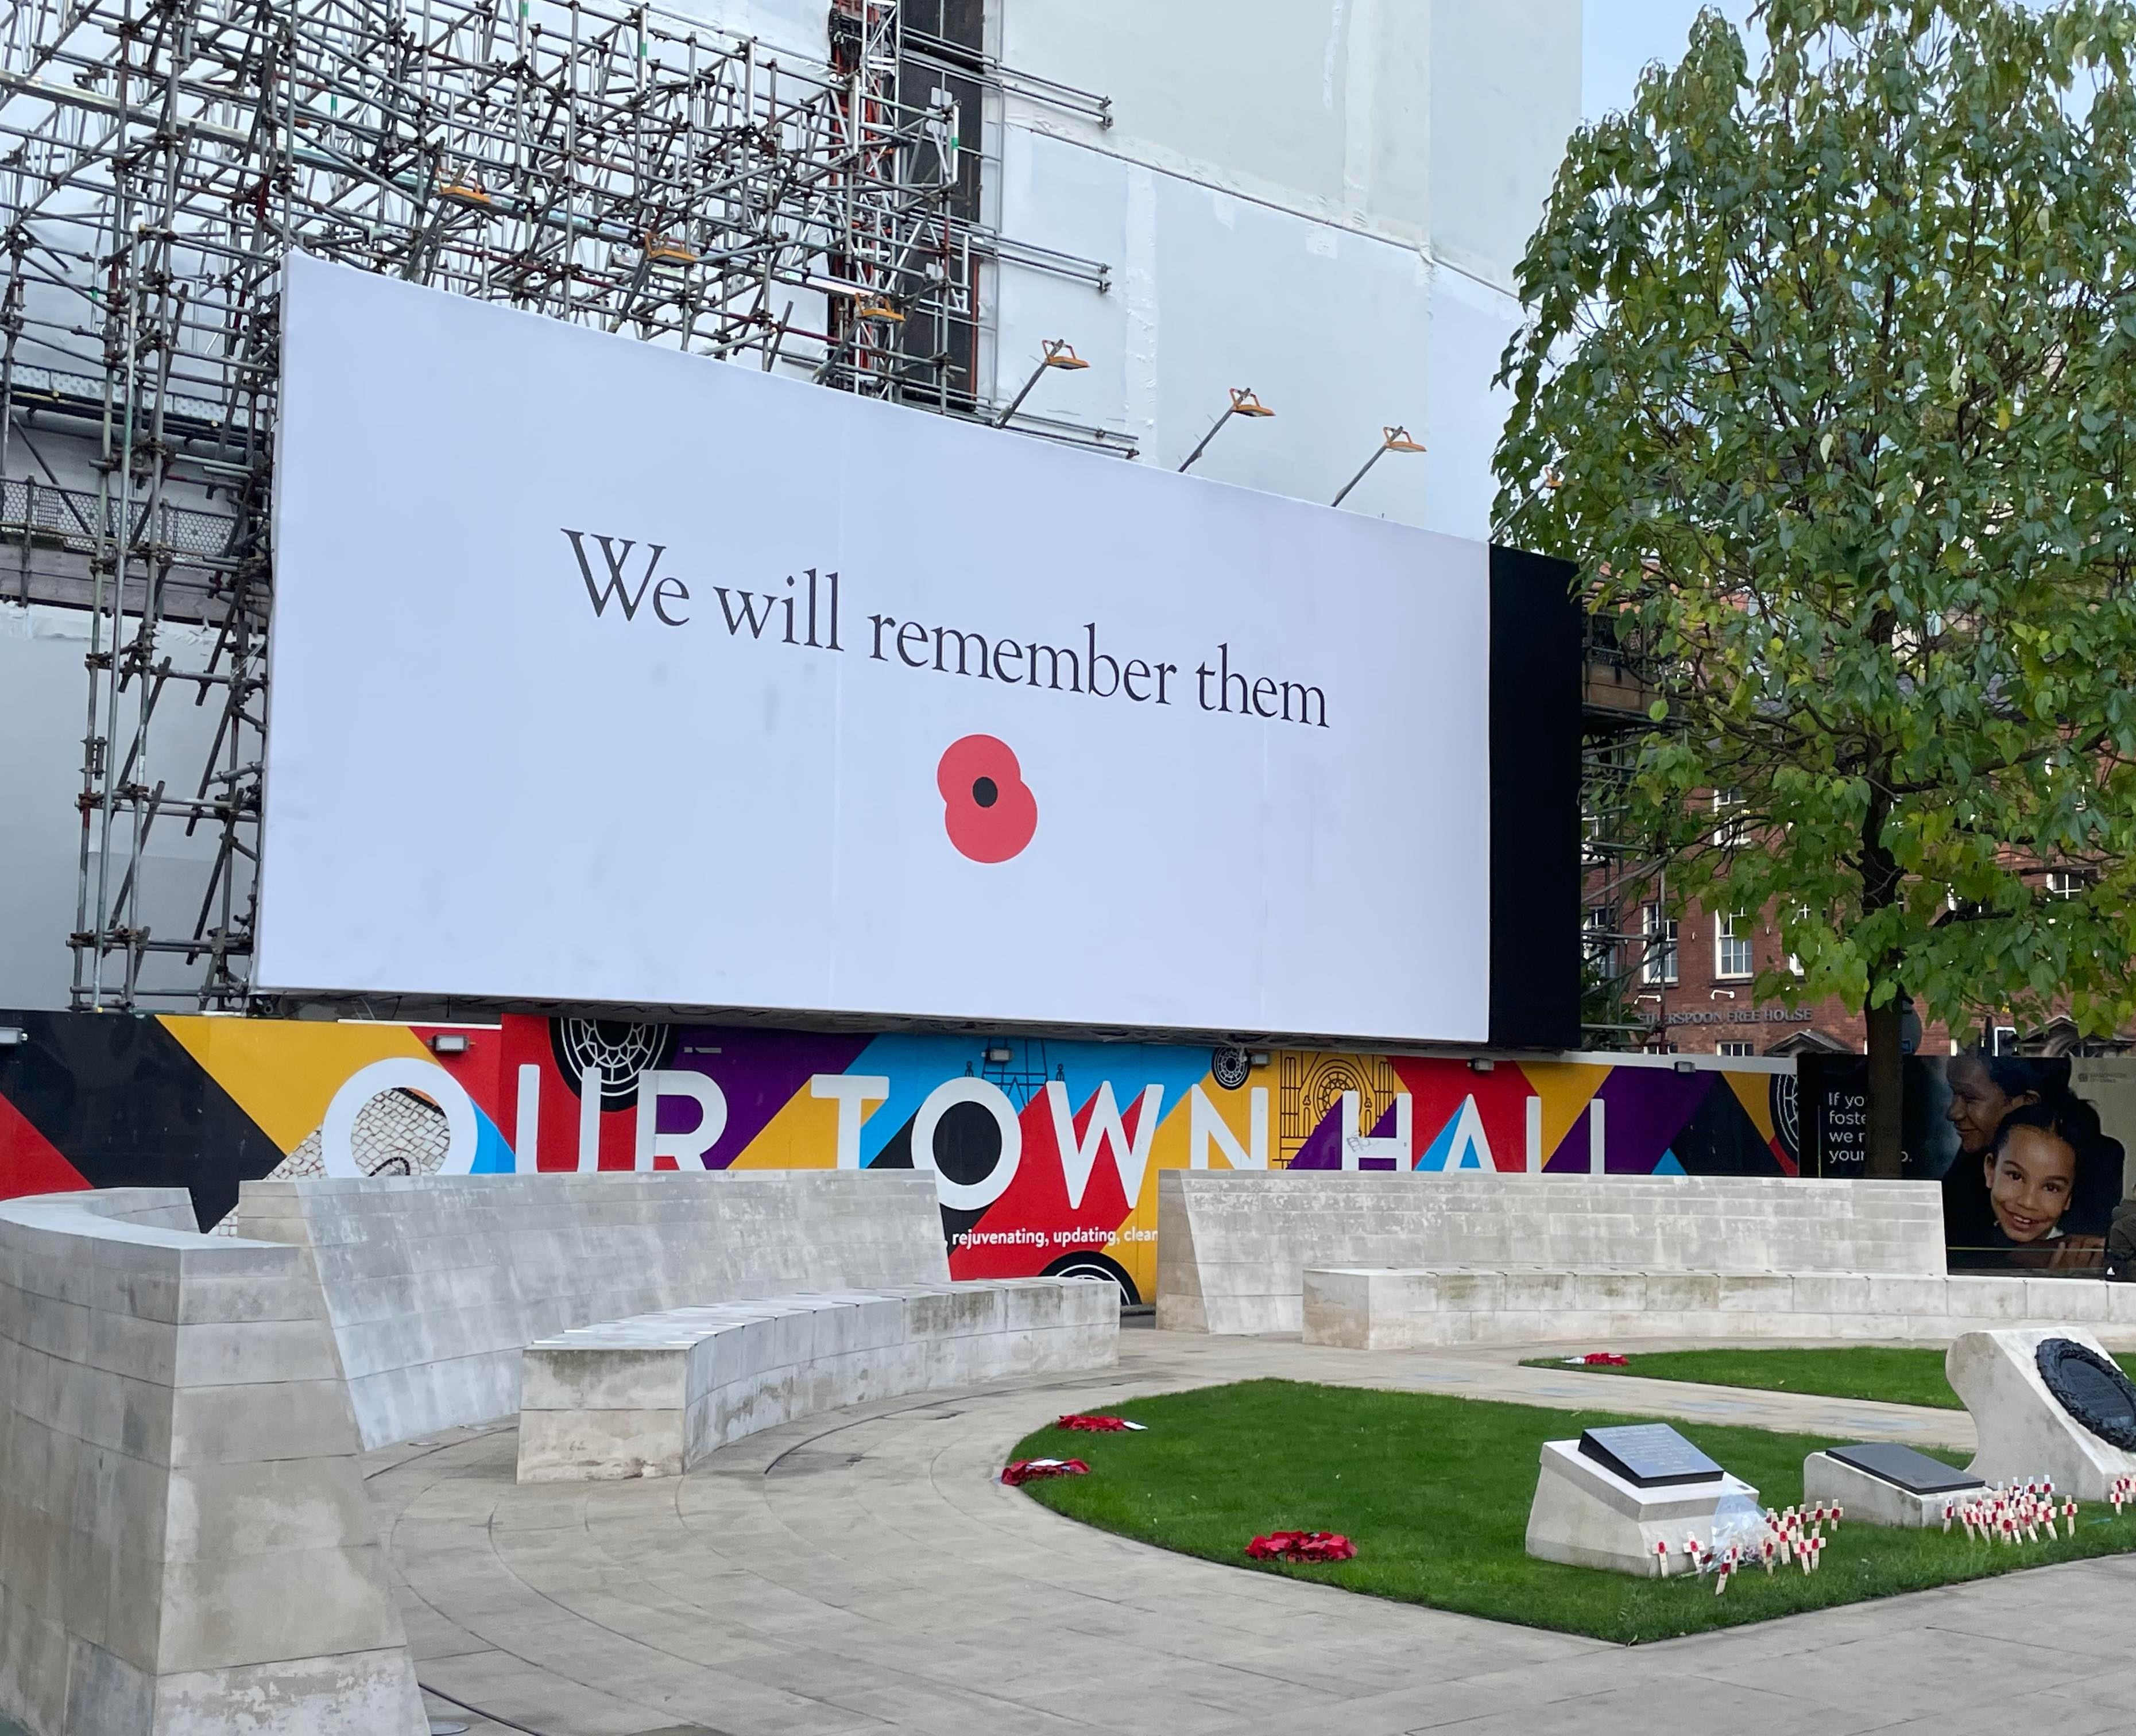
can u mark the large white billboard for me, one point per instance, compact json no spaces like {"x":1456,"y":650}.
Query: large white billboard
{"x":606,"y":673}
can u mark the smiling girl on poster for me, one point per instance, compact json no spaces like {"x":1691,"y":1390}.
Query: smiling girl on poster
{"x":2051,"y":1177}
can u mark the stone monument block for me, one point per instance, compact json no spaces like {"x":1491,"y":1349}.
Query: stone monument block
{"x":1609,"y":1499}
{"x":1883,"y":1483}
{"x":2047,"y":1404}
{"x":185,"y":1547}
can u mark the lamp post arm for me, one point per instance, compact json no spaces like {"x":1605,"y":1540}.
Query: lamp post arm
{"x":1378,"y":453}
{"x":1016,"y":403}
{"x":1230,"y":410}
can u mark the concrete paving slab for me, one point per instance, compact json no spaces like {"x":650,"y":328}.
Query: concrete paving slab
{"x":861,"y":1572}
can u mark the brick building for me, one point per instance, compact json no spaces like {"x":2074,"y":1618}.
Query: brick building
{"x":1687,"y":984}
{"x":1689,"y":988}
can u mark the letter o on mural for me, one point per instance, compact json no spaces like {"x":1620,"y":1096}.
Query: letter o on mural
{"x":969,"y":1195}
{"x":399,"y":1073}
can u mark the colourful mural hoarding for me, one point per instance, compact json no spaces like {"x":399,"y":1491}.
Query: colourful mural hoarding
{"x":1045,"y":1150}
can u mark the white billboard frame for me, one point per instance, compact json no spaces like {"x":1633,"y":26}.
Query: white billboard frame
{"x":603,"y":673}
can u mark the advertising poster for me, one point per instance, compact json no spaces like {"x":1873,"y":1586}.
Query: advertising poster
{"x":1045,"y":1152}
{"x":2032,"y":1152}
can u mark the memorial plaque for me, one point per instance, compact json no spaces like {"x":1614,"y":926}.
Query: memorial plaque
{"x":1648,"y":1455}
{"x":2091,"y":1389}
{"x":1903,"y":1468}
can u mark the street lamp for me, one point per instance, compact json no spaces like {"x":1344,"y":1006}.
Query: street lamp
{"x":1391,"y":439}
{"x":1060,"y":353}
{"x":1243,"y":403}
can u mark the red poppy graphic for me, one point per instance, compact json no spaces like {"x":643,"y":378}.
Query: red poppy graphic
{"x":987,"y":809}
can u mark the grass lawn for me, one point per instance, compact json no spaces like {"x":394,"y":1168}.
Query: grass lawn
{"x":1850,"y":1371}
{"x":1434,"y":1492}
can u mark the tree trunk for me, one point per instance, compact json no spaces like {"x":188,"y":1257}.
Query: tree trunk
{"x":1880,"y":885}
{"x":1886,"y":1087}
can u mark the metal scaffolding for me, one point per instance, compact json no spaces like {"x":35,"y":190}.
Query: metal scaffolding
{"x":1625,"y":932}
{"x":617,"y":166}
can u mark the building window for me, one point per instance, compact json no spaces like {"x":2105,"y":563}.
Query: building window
{"x":1661,"y":1049}
{"x":1728,"y":830}
{"x":1734,"y":1049}
{"x":1731,"y":951}
{"x":2065,"y":882}
{"x":1802,"y":921}
{"x":1658,"y":966}
{"x":1601,"y":937}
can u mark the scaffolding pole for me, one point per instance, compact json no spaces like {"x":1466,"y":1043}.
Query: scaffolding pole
{"x":617,"y":166}
{"x":1626,"y":956}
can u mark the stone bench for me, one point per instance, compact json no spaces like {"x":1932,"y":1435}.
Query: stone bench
{"x":650,"y":1395}
{"x":1379,"y":1308}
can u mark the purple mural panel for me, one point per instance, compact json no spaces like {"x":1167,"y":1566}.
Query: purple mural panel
{"x":758,"y":1071}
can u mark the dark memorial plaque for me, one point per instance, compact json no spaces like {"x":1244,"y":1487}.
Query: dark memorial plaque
{"x":1903,"y":1468}
{"x":1648,"y":1455}
{"x":2091,"y":1389}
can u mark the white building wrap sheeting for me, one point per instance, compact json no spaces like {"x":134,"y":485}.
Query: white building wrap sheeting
{"x":1331,"y":329}
{"x":666,"y":682}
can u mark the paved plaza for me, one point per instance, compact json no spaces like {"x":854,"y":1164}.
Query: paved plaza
{"x":863,"y":1572}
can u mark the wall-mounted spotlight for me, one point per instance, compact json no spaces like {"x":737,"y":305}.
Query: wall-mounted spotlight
{"x":1686,"y":1066}
{"x":1391,"y":439}
{"x":1059,"y":353}
{"x":1243,"y":403}
{"x":1257,"y":1057}
{"x":1483,"y":1064}
{"x":668,"y":253}
{"x":11,"y":1035}
{"x":999,"y":1054}
{"x":448,"y":1042}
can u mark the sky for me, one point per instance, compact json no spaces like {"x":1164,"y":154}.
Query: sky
{"x":1620,"y":36}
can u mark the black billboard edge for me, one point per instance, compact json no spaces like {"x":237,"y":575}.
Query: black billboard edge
{"x":1535,"y":802}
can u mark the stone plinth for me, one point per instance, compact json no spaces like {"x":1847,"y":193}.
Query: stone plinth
{"x":1586,"y":1516}
{"x":1877,"y":1500}
{"x":652,"y":1395}
{"x":2023,"y":1430}
{"x":185,"y":1548}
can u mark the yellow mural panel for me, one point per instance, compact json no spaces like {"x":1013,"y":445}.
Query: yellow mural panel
{"x":1171,"y":1147}
{"x":1310,"y":1083}
{"x":804,"y":1135}
{"x":1566,"y":1087}
{"x":282,"y":1073}
{"x":1754,"y":1092}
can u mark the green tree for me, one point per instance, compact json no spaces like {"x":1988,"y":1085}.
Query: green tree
{"x":1825,"y":383}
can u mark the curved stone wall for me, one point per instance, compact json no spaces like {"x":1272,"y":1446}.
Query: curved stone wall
{"x":434,"y":1285}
